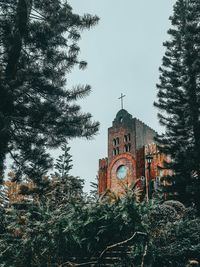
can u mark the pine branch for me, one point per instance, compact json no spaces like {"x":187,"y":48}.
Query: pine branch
{"x":38,"y":13}
{"x":36,"y":17}
{"x":14,"y":158}
{"x":36,"y":65}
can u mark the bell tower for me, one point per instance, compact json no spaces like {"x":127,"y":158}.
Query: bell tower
{"x":125,"y":163}
{"x":121,"y":136}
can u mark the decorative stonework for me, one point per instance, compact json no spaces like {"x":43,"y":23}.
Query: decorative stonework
{"x":116,"y":184}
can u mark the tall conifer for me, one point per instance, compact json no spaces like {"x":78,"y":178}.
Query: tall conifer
{"x":179,"y":97}
{"x":38,"y":48}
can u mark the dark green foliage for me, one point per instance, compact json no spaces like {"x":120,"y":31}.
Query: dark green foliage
{"x":173,"y":235}
{"x":50,"y":233}
{"x":179,"y":98}
{"x":65,"y":188}
{"x":38,"y":48}
{"x":94,"y":190}
{"x":37,"y":112}
{"x":49,"y":236}
{"x":63,"y":163}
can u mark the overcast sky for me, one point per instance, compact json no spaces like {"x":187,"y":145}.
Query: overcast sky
{"x":124,"y":52}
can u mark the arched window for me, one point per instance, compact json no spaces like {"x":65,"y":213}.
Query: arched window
{"x":114,"y":152}
{"x":117,"y":151}
{"x":116,"y":141}
{"x":125,"y":138}
{"x":127,"y":148}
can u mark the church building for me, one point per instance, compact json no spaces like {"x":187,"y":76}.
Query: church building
{"x":132,"y":155}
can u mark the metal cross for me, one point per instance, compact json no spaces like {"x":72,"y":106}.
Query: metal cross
{"x":122,"y":103}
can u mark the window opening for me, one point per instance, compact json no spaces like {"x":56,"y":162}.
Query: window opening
{"x":125,"y":138}
{"x":117,"y":151}
{"x":127,"y":148}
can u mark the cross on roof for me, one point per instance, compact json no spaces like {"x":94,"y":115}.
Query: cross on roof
{"x":122,"y":102}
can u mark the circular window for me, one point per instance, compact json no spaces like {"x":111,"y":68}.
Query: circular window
{"x":122,"y":172}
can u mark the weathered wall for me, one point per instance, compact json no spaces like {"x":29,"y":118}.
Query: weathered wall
{"x":144,"y":134}
{"x":140,"y":162}
{"x":157,"y":164}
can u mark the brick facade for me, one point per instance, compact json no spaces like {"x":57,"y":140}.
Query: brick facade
{"x":103,"y":167}
{"x":113,"y":182}
{"x":129,"y":141}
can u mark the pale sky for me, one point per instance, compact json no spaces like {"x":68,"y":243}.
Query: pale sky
{"x":124,"y":52}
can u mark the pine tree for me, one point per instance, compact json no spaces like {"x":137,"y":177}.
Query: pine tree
{"x":94,"y":190}
{"x":38,"y":48}
{"x":64,"y":187}
{"x":179,"y":96}
{"x":63,"y":163}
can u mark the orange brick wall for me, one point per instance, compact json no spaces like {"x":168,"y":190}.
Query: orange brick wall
{"x":115,"y":184}
{"x":102,"y":177}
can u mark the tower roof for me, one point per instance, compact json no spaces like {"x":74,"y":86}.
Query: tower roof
{"x":122,"y":117}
